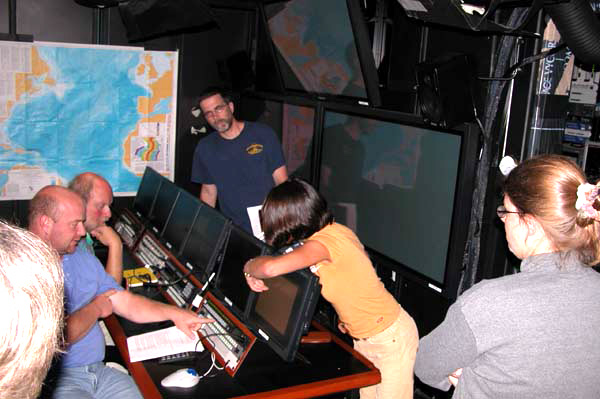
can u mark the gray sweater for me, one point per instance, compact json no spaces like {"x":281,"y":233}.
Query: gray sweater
{"x":535,"y":334}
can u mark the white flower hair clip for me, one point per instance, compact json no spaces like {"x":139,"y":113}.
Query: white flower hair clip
{"x":586,"y":196}
{"x":507,"y":164}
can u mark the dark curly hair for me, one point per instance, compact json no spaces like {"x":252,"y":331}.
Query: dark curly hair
{"x":293,"y":211}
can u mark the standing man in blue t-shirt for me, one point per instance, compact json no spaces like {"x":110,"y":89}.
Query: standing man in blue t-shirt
{"x":238,"y":163}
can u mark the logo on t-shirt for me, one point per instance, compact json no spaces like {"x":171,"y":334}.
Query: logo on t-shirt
{"x":254,"y":149}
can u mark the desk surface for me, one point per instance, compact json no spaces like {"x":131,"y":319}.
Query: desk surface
{"x":327,"y":368}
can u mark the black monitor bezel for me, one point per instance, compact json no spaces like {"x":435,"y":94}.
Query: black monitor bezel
{"x":203,"y":273}
{"x":462,"y":197}
{"x":149,"y":173}
{"x":173,"y":188}
{"x":286,"y":345}
{"x":177,"y":250}
{"x":217,"y":290}
{"x":362,"y":42}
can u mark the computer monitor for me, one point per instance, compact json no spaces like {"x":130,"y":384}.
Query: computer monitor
{"x":282,"y":314}
{"x":405,"y":188}
{"x":230,"y":285}
{"x":180,"y":222}
{"x":163,"y":204}
{"x":144,"y":199}
{"x":205,"y":242}
{"x":323,"y":48}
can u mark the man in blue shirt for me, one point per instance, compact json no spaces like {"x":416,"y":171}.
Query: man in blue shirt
{"x":238,"y":163}
{"x":98,"y":196}
{"x":56,"y":215}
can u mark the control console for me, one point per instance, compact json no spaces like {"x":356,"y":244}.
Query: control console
{"x":227,"y":337}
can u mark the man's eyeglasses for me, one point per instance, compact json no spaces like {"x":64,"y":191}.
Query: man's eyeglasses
{"x":501,"y":211}
{"x":219,"y":109}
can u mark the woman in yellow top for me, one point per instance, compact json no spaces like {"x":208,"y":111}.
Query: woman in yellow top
{"x":382,"y":331}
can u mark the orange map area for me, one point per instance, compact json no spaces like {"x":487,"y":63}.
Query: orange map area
{"x":161,"y":88}
{"x":24,"y":86}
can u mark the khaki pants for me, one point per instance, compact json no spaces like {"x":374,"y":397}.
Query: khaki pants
{"x":393,"y":352}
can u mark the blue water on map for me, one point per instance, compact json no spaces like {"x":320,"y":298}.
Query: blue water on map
{"x":79,"y":121}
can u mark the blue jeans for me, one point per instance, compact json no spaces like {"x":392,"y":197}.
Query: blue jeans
{"x":95,"y":381}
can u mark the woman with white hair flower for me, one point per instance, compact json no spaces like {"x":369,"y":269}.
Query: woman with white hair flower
{"x":533,"y":334}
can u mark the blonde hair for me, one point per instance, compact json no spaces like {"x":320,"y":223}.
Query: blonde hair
{"x":31,"y":326}
{"x":546,"y":188}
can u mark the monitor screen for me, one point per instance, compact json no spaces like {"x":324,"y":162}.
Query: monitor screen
{"x":283,"y":313}
{"x":231,"y":285}
{"x":180,"y":222}
{"x":146,"y":193}
{"x":395,"y":184}
{"x":163,"y":204}
{"x":204,"y":242}
{"x":323,"y":47}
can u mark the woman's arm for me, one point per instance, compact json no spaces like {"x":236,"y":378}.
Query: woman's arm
{"x":312,"y":252}
{"x":449,"y":347}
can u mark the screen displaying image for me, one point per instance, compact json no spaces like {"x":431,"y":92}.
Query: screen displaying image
{"x":316,"y":47}
{"x":394,"y":185}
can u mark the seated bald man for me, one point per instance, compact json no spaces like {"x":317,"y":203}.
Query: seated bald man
{"x":98,"y":195}
{"x":56,"y":215}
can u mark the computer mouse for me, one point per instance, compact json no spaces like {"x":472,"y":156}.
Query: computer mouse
{"x":182,"y":378}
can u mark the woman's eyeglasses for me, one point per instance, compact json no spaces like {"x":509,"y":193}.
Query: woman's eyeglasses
{"x":501,"y":211}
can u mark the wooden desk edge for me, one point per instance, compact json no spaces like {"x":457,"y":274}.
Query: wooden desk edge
{"x":325,"y":387}
{"x":137,"y":369}
{"x":321,"y":388}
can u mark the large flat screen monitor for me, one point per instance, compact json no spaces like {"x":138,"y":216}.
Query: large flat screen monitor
{"x":149,"y":185}
{"x":282,"y":314}
{"x":163,"y":204}
{"x":205,"y":242}
{"x":323,"y":47}
{"x":404,"y":188}
{"x":230,"y":285}
{"x":180,"y":222}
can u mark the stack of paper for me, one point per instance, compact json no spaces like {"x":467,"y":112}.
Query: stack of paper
{"x":167,"y":341}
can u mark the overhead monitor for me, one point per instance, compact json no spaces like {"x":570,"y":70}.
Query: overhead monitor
{"x":230,"y":285}
{"x":282,"y":314}
{"x":205,"y":242}
{"x":149,"y":185}
{"x":180,"y":222}
{"x":403,"y":187}
{"x":163,"y":204}
{"x":323,"y":48}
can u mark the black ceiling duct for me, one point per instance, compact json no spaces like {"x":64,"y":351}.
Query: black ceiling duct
{"x":145,"y":19}
{"x":578,"y":27}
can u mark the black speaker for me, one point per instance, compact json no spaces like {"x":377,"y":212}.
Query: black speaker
{"x":146,"y":19}
{"x":445,"y":91}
